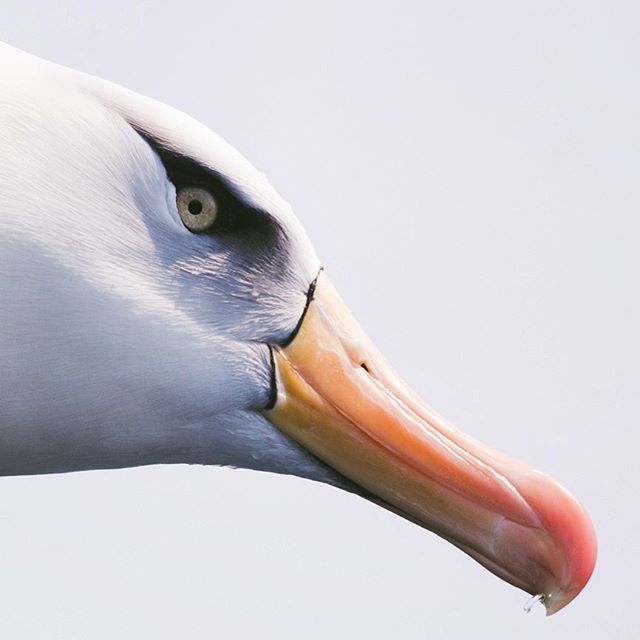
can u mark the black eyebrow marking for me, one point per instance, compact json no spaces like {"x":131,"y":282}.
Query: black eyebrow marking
{"x":184,"y":170}
{"x":234,"y":210}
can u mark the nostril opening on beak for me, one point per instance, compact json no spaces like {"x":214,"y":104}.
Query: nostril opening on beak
{"x":365,"y":367}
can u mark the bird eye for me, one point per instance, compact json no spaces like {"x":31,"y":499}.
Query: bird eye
{"x":197,"y":208}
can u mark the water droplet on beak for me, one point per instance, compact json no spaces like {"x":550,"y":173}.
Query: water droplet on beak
{"x":531,"y":602}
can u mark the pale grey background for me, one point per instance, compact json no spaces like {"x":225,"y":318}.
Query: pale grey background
{"x":468,"y":173}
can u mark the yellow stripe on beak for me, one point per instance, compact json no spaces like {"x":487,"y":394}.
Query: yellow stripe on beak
{"x":339,"y":399}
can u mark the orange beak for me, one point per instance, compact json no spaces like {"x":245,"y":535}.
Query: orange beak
{"x":339,"y":399}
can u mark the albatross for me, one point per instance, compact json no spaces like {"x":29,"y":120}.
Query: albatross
{"x":160,"y":303}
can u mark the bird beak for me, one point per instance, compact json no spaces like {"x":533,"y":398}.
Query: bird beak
{"x":340,"y":400}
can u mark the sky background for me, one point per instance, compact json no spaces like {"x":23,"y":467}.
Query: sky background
{"x":468,"y":173}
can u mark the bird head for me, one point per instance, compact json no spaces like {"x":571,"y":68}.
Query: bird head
{"x":163,"y":304}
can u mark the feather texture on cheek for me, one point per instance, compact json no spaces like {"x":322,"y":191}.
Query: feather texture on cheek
{"x":129,"y":339}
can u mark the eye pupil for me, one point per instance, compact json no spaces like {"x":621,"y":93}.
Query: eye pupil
{"x":195,"y":207}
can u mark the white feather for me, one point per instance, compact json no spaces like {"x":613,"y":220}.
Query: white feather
{"x":126,"y":340}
